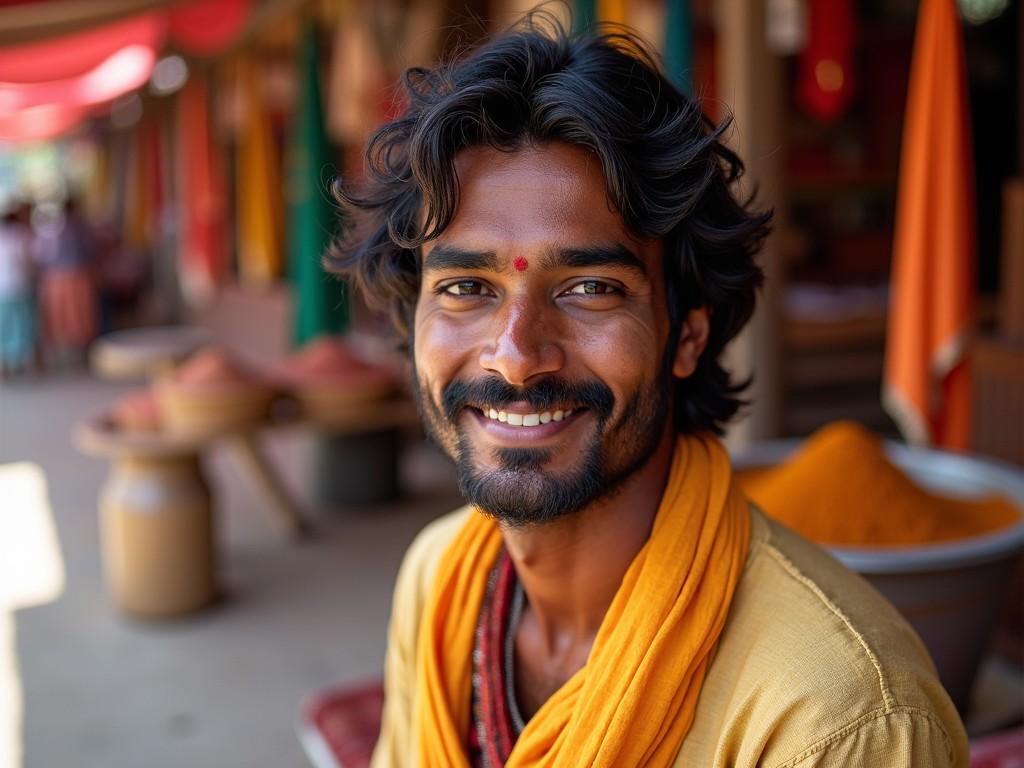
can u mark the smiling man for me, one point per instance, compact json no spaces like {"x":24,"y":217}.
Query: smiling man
{"x":554,"y":231}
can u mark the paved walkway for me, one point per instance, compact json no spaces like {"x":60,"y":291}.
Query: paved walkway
{"x":86,"y":687}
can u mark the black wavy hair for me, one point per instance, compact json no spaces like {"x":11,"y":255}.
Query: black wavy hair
{"x":666,"y":169}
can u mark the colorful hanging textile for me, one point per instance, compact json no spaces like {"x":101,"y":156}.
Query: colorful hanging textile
{"x":584,"y":14}
{"x":144,"y":186}
{"x":201,"y":248}
{"x":679,"y":45}
{"x":97,"y":197}
{"x":373,"y":46}
{"x":612,"y":11}
{"x":931,"y":302}
{"x":826,"y":78}
{"x":320,"y":303}
{"x":258,"y":183}
{"x":358,"y":78}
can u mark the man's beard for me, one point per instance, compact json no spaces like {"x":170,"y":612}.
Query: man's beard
{"x":519,"y":492}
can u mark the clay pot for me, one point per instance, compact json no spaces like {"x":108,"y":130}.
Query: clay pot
{"x":157,"y":532}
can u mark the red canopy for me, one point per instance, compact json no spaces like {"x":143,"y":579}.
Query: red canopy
{"x":72,"y":55}
{"x":208,"y":27}
{"x":123,"y":70}
{"x":45,"y":121}
{"x":46,"y":87}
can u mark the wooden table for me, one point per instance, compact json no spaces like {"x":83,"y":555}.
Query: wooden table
{"x":156,"y":506}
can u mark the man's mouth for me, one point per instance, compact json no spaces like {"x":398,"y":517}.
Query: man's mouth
{"x":519,"y":425}
{"x":526,"y":419}
{"x":539,"y":411}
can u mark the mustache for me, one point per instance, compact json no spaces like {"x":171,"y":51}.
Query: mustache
{"x":546,"y":394}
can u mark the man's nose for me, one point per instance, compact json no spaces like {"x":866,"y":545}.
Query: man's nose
{"x":526,"y":342}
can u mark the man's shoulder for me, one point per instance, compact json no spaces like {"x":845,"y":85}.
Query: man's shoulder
{"x":810,"y":607}
{"x":810,"y":651}
{"x":424,"y":554}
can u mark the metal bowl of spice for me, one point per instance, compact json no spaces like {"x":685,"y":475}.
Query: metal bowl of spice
{"x":937,"y":533}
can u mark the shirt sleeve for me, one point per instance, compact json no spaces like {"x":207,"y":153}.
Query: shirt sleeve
{"x":904,"y":737}
{"x":392,"y":750}
{"x":394,"y":745}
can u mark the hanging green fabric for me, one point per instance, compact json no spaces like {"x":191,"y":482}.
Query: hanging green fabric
{"x":679,"y":45}
{"x":584,"y":15}
{"x":320,"y":300}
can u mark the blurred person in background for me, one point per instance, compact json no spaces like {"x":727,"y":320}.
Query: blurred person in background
{"x":555,"y":230}
{"x":67,"y":291}
{"x":18,"y":318}
{"x":123,"y":272}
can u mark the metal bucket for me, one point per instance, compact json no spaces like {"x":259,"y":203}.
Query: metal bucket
{"x":950,"y":592}
{"x":356,"y":470}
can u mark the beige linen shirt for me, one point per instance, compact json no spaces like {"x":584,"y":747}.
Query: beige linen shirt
{"x":813,"y":668}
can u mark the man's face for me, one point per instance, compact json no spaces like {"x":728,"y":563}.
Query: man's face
{"x":540,"y":336}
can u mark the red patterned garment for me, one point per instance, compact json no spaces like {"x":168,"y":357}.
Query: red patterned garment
{"x":496,"y":723}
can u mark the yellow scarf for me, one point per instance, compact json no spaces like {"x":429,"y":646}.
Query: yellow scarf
{"x":634,"y":701}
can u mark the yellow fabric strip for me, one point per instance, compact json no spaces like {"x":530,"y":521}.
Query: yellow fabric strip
{"x":258,"y":184}
{"x":612,"y":11}
{"x":634,"y":701}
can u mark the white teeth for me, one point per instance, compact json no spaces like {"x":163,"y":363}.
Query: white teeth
{"x":525,"y":419}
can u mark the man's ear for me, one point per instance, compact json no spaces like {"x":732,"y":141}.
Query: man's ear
{"x":693,"y":337}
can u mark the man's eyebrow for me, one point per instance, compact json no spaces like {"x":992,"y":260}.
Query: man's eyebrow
{"x":616,"y":255}
{"x":452,"y":257}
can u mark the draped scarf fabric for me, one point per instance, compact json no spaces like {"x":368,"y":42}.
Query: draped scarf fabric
{"x":635,"y":699}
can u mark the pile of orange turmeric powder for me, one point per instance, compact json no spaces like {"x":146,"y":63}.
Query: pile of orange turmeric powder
{"x":840,"y":489}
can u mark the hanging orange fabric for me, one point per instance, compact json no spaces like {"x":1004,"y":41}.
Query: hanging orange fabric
{"x":143,"y":201}
{"x":621,"y":708}
{"x":258,"y":185}
{"x":931,"y":305}
{"x":612,"y":11}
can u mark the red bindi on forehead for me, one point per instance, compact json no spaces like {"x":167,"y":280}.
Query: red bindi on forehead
{"x":520,"y":264}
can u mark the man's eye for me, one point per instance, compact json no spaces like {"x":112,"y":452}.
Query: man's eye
{"x":591,"y":288}
{"x":464,"y":288}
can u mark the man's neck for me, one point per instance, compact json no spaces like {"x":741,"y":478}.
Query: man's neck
{"x":571,"y":569}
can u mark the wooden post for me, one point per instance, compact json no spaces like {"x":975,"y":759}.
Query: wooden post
{"x":1011,"y":279}
{"x":750,"y":83}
